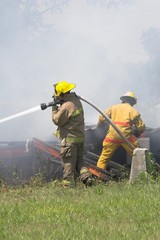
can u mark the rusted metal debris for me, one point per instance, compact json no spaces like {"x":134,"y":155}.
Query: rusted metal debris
{"x":21,"y":160}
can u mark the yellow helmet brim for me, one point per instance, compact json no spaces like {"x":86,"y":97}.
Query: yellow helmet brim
{"x":70,"y":87}
{"x":65,"y":89}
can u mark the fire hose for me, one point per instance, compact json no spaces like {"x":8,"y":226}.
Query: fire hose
{"x":44,"y":106}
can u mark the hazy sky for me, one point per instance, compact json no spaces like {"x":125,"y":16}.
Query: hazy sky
{"x":85,"y":43}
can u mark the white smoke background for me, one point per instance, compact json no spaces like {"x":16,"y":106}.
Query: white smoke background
{"x":105,"y":47}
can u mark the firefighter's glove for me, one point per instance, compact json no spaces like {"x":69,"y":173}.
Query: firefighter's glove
{"x":54,"y":103}
{"x":136,"y":133}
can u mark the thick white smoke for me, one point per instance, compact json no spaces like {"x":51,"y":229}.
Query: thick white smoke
{"x":97,"y":46}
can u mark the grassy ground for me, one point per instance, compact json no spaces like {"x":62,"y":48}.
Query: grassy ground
{"x":105,"y":211}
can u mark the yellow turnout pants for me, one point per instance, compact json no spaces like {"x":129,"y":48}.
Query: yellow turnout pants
{"x":108,"y":150}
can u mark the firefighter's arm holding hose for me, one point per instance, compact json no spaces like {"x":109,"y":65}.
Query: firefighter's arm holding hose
{"x":138,"y":126}
{"x":52,"y":104}
{"x":102,"y":121}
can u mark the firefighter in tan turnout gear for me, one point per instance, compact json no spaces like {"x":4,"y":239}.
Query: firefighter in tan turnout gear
{"x":128,"y":120}
{"x":69,"y":117}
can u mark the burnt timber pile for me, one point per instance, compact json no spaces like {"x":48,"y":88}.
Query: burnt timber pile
{"x":19,"y":161}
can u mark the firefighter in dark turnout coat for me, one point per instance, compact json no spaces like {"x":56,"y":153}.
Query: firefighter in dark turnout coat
{"x":69,"y":117}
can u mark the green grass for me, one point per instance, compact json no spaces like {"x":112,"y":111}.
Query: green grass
{"x":106,"y":211}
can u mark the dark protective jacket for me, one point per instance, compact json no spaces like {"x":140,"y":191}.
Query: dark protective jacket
{"x":124,"y":116}
{"x":69,"y":118}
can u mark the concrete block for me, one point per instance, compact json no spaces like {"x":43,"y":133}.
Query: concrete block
{"x":138,"y":163}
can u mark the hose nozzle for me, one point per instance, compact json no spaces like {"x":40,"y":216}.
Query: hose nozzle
{"x":43,"y":106}
{"x":46,"y":105}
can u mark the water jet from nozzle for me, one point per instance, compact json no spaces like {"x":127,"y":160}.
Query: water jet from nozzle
{"x":31,"y":110}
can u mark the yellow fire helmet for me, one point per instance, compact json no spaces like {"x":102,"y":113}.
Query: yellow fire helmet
{"x":129,"y":97}
{"x":63,"y":87}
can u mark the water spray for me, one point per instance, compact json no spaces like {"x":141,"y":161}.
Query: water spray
{"x":31,"y":110}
